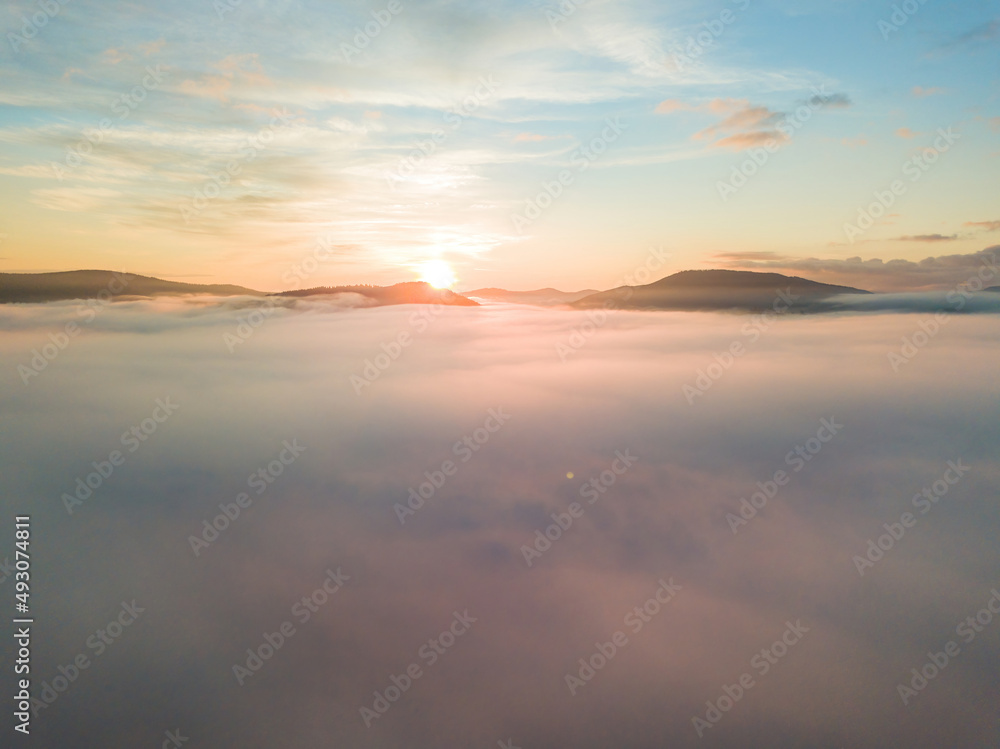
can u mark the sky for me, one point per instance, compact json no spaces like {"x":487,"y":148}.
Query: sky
{"x":524,"y":144}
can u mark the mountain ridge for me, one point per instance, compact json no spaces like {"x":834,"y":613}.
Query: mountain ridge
{"x":58,"y":286}
{"x":718,"y":290}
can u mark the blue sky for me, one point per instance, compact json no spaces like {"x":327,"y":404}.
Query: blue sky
{"x":514,"y":91}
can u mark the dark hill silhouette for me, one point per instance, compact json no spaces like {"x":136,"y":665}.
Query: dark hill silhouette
{"x":88,"y":284}
{"x":410,"y":292}
{"x":721,"y":290}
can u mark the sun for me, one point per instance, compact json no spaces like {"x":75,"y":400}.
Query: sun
{"x":437,"y":273}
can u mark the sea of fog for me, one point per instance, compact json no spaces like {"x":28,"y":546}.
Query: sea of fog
{"x":650,"y":530}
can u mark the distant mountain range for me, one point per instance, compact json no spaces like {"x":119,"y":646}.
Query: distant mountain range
{"x":538,"y":297}
{"x":720,"y":290}
{"x":89,"y":284}
{"x":687,"y":290}
{"x":410,"y":292}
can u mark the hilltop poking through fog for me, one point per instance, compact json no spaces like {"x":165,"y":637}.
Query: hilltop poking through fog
{"x":410,"y":292}
{"x":722,"y":290}
{"x":102,"y":284}
{"x":106,"y":284}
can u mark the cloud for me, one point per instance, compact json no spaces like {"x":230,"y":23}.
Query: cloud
{"x":115,"y":56}
{"x":834,"y":101}
{"x":928,"y":238}
{"x":920,"y":92}
{"x":742,"y":141}
{"x":151,"y":48}
{"x":983,"y":33}
{"x":74,"y":199}
{"x":743,"y":126}
{"x":932,"y":273}
{"x":532,"y":137}
{"x":70,"y":72}
{"x":668,"y":106}
{"x":665,"y":517}
{"x":905,"y":132}
{"x":984,"y":225}
{"x":855,"y":142}
{"x":237,"y":74}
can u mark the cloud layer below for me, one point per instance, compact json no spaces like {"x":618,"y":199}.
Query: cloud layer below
{"x":667,"y":516}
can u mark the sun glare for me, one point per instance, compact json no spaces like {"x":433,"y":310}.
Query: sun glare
{"x":437,"y":273}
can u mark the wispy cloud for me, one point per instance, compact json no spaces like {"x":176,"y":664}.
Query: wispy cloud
{"x":927,"y":238}
{"x":984,"y":225}
{"x":983,"y":33}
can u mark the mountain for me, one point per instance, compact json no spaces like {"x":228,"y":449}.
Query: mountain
{"x":992,"y":288}
{"x":88,"y":284}
{"x":410,"y":292}
{"x":721,"y":290}
{"x":539,"y":297}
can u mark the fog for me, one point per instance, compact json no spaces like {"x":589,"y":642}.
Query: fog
{"x":659,"y":403}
